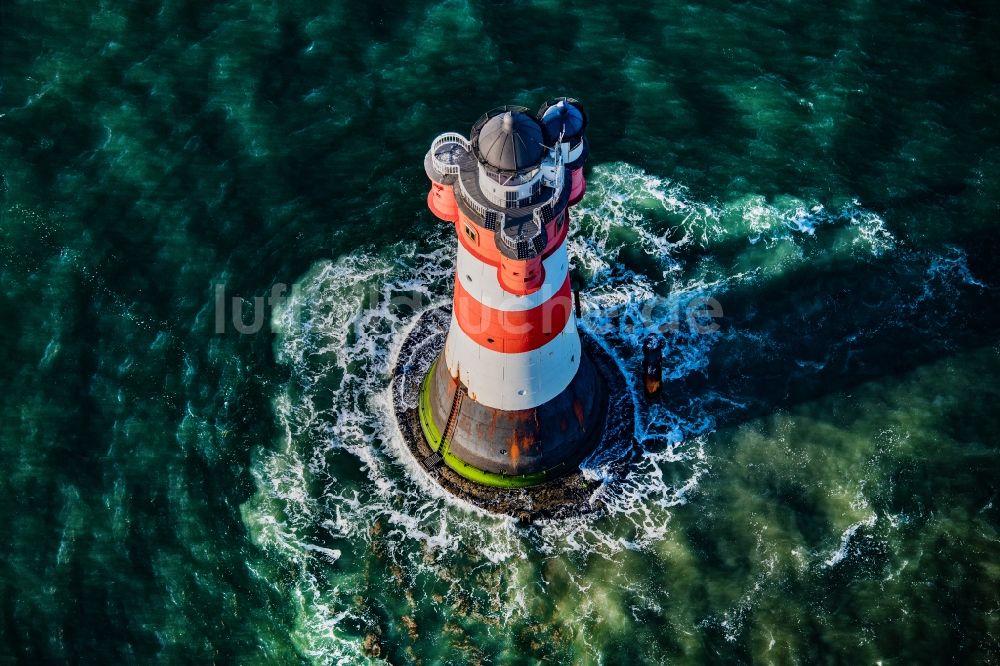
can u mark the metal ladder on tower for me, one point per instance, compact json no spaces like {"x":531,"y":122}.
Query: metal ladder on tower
{"x":449,"y":429}
{"x":436,"y":458}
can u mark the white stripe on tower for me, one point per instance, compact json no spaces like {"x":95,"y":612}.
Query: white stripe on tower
{"x":512,"y":381}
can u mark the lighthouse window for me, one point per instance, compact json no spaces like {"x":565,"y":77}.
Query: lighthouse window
{"x":469,"y":232}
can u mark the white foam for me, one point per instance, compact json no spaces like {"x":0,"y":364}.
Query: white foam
{"x":332,"y":554}
{"x":340,"y":334}
{"x":845,"y":541}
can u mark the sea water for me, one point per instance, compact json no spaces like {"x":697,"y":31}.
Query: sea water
{"x":818,"y":481}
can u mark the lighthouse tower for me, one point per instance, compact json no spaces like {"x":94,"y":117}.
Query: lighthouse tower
{"x":513,"y":400}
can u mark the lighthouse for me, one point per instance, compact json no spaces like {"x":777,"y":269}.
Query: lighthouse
{"x":513,"y":400}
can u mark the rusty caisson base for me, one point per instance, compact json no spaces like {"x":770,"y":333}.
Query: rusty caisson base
{"x":512,"y":448}
{"x":477,"y":460}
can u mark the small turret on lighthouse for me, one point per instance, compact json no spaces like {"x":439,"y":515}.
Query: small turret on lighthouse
{"x":513,"y":400}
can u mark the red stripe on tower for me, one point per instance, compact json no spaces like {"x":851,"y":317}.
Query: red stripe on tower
{"x":513,"y":347}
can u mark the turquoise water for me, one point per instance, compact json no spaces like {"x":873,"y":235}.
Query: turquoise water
{"x":818,"y":483}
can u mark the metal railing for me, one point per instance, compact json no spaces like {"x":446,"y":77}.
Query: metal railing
{"x":560,"y":177}
{"x":478,"y":207}
{"x":510,"y":179}
{"x":494,"y":219}
{"x":556,"y":186}
{"x":447,"y":137}
{"x":523,"y":245}
{"x":516,"y":243}
{"x":443,"y":167}
{"x":512,"y":108}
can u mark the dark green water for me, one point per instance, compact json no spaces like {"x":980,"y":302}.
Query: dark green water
{"x":819,"y":484}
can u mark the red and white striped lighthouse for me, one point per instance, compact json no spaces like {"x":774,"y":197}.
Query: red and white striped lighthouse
{"x":513,"y":400}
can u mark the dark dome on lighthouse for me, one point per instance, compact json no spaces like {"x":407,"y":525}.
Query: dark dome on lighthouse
{"x":509,"y":140}
{"x":563,"y":116}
